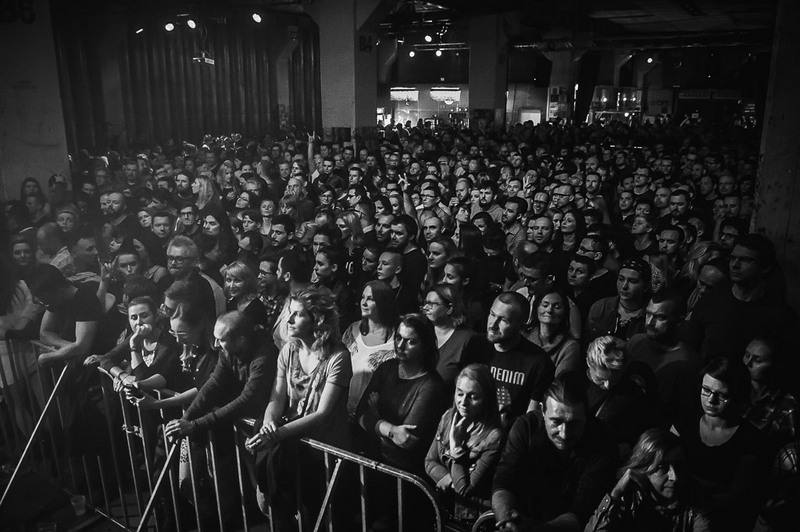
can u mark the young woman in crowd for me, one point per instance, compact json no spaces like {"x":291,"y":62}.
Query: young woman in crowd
{"x":467,"y":446}
{"x":370,"y":340}
{"x":724,"y":452}
{"x":217,"y":244}
{"x":551,"y":328}
{"x":440,"y":250}
{"x":572,"y":231}
{"x":308,"y":399}
{"x":204,"y":187}
{"x":241,"y":291}
{"x":444,"y":308}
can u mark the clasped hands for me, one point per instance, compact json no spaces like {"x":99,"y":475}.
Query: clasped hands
{"x":265,"y":439}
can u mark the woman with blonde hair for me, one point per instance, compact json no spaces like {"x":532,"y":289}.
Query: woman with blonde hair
{"x":205,"y":189}
{"x":241,"y":291}
{"x":462,"y":457}
{"x":620,"y":393}
{"x":309,"y":399}
{"x":226,"y":173}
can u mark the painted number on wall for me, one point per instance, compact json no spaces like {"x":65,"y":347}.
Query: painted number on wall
{"x":365,"y":43}
{"x":17,"y":11}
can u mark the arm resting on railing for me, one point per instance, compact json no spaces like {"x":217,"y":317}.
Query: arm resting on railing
{"x":85,"y":332}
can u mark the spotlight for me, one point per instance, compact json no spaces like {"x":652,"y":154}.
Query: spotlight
{"x":649,"y":60}
{"x":191,"y":23}
{"x":428,"y":38}
{"x":257,"y":18}
{"x":169,"y":26}
{"x":139,"y":30}
{"x":438,"y":53}
{"x":412,"y":53}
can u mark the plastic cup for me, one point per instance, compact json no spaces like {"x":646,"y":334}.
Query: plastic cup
{"x":79,"y":504}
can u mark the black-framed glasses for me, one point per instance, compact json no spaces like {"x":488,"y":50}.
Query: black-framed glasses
{"x":723,"y":397}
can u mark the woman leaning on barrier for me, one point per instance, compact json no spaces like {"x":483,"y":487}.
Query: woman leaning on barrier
{"x":462,"y":457}
{"x":309,"y":399}
{"x":151,"y":351}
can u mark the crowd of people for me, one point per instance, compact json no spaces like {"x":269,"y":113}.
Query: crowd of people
{"x":570,"y":325}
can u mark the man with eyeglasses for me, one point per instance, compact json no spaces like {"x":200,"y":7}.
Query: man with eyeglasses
{"x":182,"y":260}
{"x":431,"y":196}
{"x":189,"y":219}
{"x":641,"y":183}
{"x":724,"y":321}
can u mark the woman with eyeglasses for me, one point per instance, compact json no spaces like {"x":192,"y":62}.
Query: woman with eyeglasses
{"x":444,"y":308}
{"x":724,"y":453}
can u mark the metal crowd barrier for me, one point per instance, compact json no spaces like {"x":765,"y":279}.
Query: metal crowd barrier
{"x":132,"y":480}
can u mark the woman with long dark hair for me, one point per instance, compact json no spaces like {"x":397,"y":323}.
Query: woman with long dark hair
{"x":551,"y":328}
{"x":444,"y":308}
{"x":370,"y":340}
{"x":217,"y":243}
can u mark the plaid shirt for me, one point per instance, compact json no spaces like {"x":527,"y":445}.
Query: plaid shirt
{"x":274,"y":305}
{"x":775,"y":413}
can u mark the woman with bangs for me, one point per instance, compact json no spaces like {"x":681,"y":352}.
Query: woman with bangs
{"x":241,"y":291}
{"x":444,"y":308}
{"x":653,"y":493}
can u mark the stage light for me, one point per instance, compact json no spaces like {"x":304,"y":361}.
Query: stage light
{"x":649,"y":60}
{"x":139,"y":30}
{"x":428,"y":38}
{"x":169,"y":26}
{"x":257,"y":18}
{"x":438,"y":53}
{"x":412,"y":53}
{"x":191,"y":23}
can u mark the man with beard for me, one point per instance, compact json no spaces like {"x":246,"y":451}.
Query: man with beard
{"x":661,"y":201}
{"x":404,"y":231}
{"x":563,"y":196}
{"x":183,"y":188}
{"x":680,"y":203}
{"x":118,"y":215}
{"x":521,"y":370}
{"x":486,"y":201}
{"x":85,"y":256}
{"x":182,"y":259}
{"x":515,"y":209}
{"x":463,"y":186}
{"x":672,"y":361}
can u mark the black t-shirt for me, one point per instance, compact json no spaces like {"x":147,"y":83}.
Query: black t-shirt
{"x":521,"y":374}
{"x":82,"y":307}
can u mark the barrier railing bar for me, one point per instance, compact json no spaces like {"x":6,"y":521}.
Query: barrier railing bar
{"x":325,"y":507}
{"x":90,"y":492}
{"x":115,"y":455}
{"x":190,"y":453}
{"x":9,"y":400}
{"x":33,"y":436}
{"x":151,"y":502}
{"x":128,"y":429}
{"x":143,"y":431}
{"x":51,"y":429}
{"x":218,"y":497}
{"x":173,"y":479}
{"x":103,"y":484}
{"x":400,"y":505}
{"x":239,"y":473}
{"x":363,"y":487}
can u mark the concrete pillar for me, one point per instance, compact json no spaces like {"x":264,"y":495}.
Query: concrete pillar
{"x":33,"y":140}
{"x":561,"y":95}
{"x":348,"y":47}
{"x":488,"y":71}
{"x":777,"y":212}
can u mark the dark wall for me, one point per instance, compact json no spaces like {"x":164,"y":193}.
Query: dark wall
{"x":164,"y":94}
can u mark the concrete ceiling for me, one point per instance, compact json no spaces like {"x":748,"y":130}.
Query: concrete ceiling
{"x":656,"y":23}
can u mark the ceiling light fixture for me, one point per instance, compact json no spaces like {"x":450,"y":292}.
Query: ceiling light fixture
{"x":412,"y":53}
{"x":139,"y":30}
{"x":257,"y":18}
{"x":649,"y":60}
{"x":438,"y":53}
{"x":428,"y":38}
{"x":191,"y":23}
{"x":169,"y":26}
